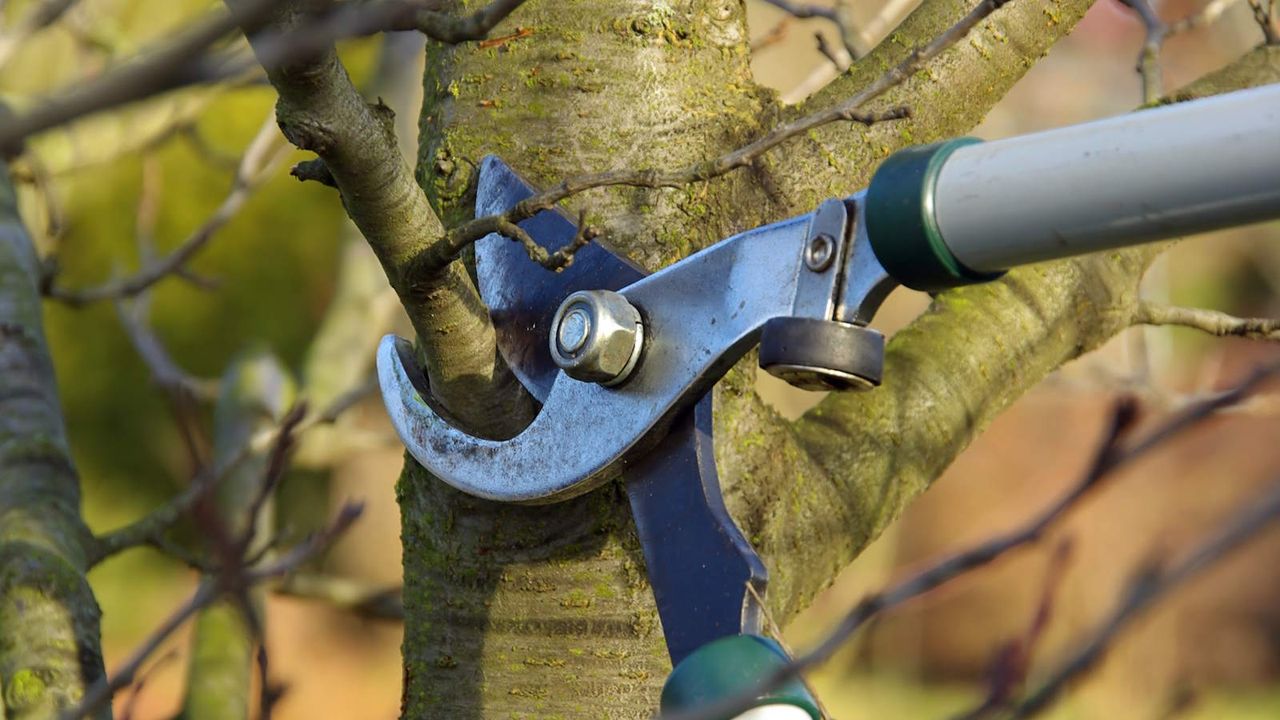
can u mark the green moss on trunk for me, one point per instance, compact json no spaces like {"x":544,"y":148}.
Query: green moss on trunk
{"x":49,"y":630}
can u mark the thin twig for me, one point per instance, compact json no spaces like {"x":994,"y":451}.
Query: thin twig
{"x":158,"y":71}
{"x":1210,"y":321}
{"x":181,"y":390}
{"x":130,"y":707}
{"x":187,"y":60}
{"x":40,"y":16}
{"x":1148,"y":586}
{"x":1112,"y":454}
{"x":151,"y":528}
{"x":775,"y":631}
{"x":1149,"y":57}
{"x":210,"y":591}
{"x":265,"y":152}
{"x":775,"y":35}
{"x":838,"y":57}
{"x":1012,"y":661}
{"x":1157,"y":31}
{"x":839,"y":14}
{"x":745,"y":156}
{"x":355,"y":596}
{"x":1263,"y":12}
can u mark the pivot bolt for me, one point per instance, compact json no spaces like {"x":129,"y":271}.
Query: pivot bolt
{"x":575,"y":327}
{"x":596,"y":337}
{"x":820,"y":252}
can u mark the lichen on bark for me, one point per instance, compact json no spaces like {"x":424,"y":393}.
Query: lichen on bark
{"x":545,"y":612}
{"x":49,"y":621}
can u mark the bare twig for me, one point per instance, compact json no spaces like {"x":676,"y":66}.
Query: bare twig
{"x":838,"y":57}
{"x":775,"y":35}
{"x":775,"y":631}
{"x":1149,"y":57}
{"x":1152,"y":583}
{"x":150,"y":530}
{"x":1209,"y":321}
{"x":265,"y":152}
{"x":1012,"y":660}
{"x":355,"y":596}
{"x":181,"y":390}
{"x":130,"y":707}
{"x":164,"y":371}
{"x":745,"y":156}
{"x":166,"y":68}
{"x":803,"y":11}
{"x":559,"y":259}
{"x":187,"y":61}
{"x":1157,"y":31}
{"x":1263,"y":13}
{"x":210,"y":591}
{"x":839,"y":14}
{"x":1112,"y":454}
{"x":43,"y":14}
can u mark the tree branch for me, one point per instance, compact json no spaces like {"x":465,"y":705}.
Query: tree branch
{"x":37,"y":18}
{"x":1149,"y":57}
{"x":1209,"y":321}
{"x":948,"y":95}
{"x":50,"y":648}
{"x":1263,"y":12}
{"x":839,"y":14}
{"x":164,"y":69}
{"x":187,"y":60}
{"x":210,"y":591}
{"x":1112,"y":454}
{"x":355,"y":596}
{"x":151,"y":529}
{"x":1150,"y":585}
{"x":263,"y":155}
{"x":947,"y":375}
{"x":320,"y":110}
{"x":743,"y":157}
{"x":257,"y":394}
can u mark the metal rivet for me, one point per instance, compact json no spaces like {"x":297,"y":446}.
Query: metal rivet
{"x":575,"y":327}
{"x":820,"y":252}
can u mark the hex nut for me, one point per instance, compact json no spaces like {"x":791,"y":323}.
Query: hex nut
{"x":613,"y":332}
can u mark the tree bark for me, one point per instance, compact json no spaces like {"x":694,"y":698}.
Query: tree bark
{"x":49,"y":621}
{"x":546,"y":612}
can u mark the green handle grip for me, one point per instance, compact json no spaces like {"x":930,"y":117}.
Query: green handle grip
{"x":901,"y":220}
{"x":730,"y":665}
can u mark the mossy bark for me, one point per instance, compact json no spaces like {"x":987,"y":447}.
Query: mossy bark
{"x":545,"y":612}
{"x":49,"y":621}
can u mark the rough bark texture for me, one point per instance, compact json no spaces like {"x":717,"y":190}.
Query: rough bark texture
{"x":545,"y":612}
{"x":500,"y":625}
{"x":49,"y":629}
{"x":320,"y":111}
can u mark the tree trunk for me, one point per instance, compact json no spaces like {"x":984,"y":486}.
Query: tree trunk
{"x":546,"y":612}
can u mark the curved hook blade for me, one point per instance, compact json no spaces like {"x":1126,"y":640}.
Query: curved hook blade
{"x":585,"y":432}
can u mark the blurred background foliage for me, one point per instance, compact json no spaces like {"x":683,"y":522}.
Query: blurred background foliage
{"x":1215,"y":653}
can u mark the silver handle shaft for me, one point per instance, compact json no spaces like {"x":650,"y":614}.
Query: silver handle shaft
{"x":1149,"y":175}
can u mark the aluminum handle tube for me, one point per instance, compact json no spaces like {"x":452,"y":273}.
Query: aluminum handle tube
{"x":1149,"y":175}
